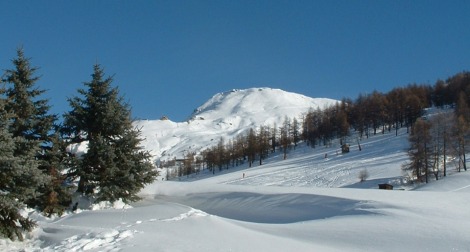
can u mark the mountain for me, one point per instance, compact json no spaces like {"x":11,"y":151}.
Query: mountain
{"x":225,"y":115}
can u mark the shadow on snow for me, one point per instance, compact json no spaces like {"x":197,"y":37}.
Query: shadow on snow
{"x":274,"y":208}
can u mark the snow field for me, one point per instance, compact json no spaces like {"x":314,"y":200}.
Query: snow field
{"x":229,"y":213}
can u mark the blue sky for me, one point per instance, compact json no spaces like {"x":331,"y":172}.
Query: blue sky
{"x":169,"y":57}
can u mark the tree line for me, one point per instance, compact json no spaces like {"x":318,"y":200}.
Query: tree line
{"x":443,"y":136}
{"x":351,"y":120}
{"x":251,"y":147}
{"x":39,"y":170}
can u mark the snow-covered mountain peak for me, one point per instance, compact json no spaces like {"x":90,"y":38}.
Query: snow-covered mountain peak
{"x":269,"y":101}
{"x":224,"y":116}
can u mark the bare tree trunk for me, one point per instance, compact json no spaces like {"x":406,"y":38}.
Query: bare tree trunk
{"x":436,"y":163}
{"x":426,"y":167}
{"x":464,"y":158}
{"x":444,"y":154}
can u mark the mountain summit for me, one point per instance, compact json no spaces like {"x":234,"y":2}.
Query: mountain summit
{"x":224,"y":116}
{"x":256,"y":102}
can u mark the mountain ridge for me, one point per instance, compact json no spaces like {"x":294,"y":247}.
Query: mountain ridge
{"x":224,"y":115}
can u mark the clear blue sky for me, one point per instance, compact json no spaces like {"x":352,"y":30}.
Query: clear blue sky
{"x":168,"y":57}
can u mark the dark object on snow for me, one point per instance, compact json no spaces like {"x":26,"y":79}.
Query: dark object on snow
{"x":345,"y":148}
{"x":74,"y":208}
{"x":386,"y":186}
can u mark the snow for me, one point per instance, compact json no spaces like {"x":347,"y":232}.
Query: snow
{"x":304,"y":203}
{"x":225,"y":115}
{"x":296,"y":204}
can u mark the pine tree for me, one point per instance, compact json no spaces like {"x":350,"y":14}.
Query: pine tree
{"x":19,"y":179}
{"x":56,"y":196}
{"x":30,"y":121}
{"x":115,"y":166}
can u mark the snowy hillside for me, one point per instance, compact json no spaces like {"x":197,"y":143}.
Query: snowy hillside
{"x":381,"y":156}
{"x":305,"y":203}
{"x":225,"y":115}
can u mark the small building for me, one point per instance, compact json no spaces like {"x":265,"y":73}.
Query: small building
{"x":385,"y":186}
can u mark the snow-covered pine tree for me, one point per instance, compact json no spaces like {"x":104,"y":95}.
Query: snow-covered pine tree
{"x":115,"y":166}
{"x":31,"y":120}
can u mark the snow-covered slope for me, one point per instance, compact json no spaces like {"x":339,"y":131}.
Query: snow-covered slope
{"x":381,"y":156}
{"x":278,"y":207}
{"x":225,"y":115}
